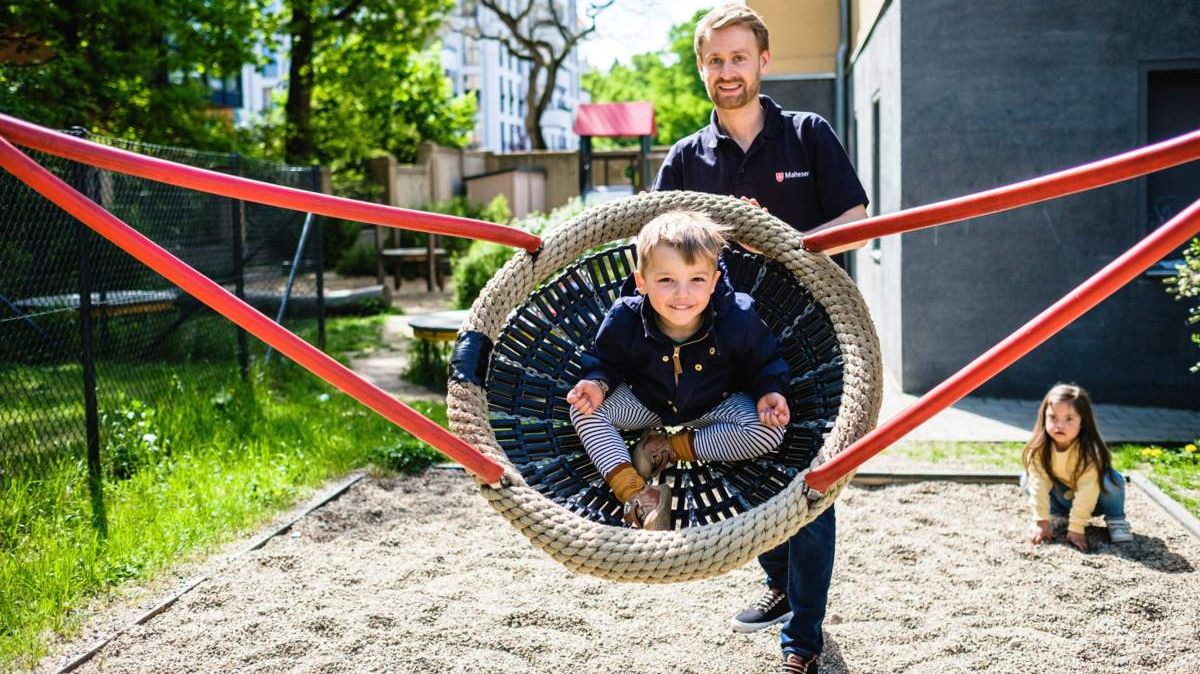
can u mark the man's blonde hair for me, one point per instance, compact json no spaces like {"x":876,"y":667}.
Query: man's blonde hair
{"x":732,"y":15}
{"x":693,"y":234}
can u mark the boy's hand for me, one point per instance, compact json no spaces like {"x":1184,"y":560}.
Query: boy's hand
{"x":586,"y":396}
{"x":1040,"y":532}
{"x":1078,"y":540}
{"x":773,"y":410}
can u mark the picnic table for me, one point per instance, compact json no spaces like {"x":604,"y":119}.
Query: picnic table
{"x":438,"y":326}
{"x":394,"y":258}
{"x":435,"y":332}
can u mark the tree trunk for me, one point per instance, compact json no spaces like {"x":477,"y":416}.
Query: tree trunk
{"x":298,"y":144}
{"x":534,"y":107}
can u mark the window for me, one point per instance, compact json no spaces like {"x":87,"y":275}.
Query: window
{"x":1172,"y":108}
{"x":876,"y":245}
{"x":226,"y":92}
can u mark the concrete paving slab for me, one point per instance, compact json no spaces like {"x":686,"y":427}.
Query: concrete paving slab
{"x":977,"y":419}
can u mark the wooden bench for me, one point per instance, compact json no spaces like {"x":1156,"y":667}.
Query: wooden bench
{"x":394,"y":259}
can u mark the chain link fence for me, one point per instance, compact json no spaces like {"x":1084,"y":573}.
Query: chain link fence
{"x":84,"y":326}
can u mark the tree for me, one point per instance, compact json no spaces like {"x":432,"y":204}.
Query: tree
{"x":411,"y":101}
{"x":541,"y":33}
{"x":130,"y":68}
{"x":667,"y":78}
{"x":364,"y":63}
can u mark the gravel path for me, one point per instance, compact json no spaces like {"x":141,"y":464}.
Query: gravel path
{"x":420,"y":575}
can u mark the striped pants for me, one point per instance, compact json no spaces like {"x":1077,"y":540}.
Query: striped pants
{"x":731,"y":431}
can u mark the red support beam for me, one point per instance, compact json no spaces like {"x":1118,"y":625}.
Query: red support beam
{"x":1139,"y":162}
{"x":228,"y":305}
{"x":1079,"y":301}
{"x":121,"y":161}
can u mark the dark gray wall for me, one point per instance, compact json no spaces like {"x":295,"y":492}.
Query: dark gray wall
{"x":810,"y":94}
{"x":996,"y":92}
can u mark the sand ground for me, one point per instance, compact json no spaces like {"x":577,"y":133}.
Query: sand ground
{"x":418,"y":574}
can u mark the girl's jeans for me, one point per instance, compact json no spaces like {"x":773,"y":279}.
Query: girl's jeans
{"x":1111,"y":503}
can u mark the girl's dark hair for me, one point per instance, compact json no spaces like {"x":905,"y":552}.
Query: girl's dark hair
{"x":1092,"y":450}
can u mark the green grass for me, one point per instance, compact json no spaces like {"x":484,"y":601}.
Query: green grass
{"x":1173,"y":468}
{"x":199,"y":465}
{"x":969,"y":455}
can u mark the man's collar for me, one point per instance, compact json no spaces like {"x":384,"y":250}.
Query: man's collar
{"x":772,"y":123}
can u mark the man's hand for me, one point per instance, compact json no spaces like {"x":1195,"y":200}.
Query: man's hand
{"x":586,"y":396}
{"x":753,"y":202}
{"x":853,"y":214}
{"x":1040,"y":532}
{"x":773,"y":410}
{"x":1078,"y":540}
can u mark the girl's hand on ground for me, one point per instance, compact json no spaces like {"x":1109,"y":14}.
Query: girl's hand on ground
{"x":773,"y":410}
{"x":1040,"y":532}
{"x":585,"y":396}
{"x":1078,"y":540}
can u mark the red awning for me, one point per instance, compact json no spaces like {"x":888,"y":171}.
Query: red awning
{"x":615,"y":119}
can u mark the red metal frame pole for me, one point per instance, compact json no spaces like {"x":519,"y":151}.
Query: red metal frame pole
{"x":225,"y":303}
{"x":52,"y":142}
{"x":1172,"y":152}
{"x":1108,"y":280}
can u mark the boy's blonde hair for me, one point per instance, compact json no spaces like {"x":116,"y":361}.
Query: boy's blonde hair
{"x":693,"y":234}
{"x":732,"y":15}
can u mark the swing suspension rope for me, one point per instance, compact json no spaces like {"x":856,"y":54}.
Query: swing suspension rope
{"x":831,"y":474}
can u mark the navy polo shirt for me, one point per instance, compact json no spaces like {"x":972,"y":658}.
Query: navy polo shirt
{"x":796,"y":167}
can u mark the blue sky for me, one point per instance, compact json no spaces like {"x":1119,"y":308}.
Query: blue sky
{"x":634,"y":26}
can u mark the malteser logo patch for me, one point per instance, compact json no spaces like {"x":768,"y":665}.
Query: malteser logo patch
{"x":781,"y":176}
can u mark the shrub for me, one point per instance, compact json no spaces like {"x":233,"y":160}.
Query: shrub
{"x":1186,"y":285}
{"x":357,"y":261}
{"x":482,"y":259}
{"x":495,"y":210}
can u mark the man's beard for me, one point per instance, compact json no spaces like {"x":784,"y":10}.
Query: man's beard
{"x":724,"y":102}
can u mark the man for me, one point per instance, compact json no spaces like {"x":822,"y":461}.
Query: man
{"x":792,"y":164}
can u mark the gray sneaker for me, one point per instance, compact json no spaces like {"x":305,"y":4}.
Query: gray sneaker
{"x":1119,"y":531}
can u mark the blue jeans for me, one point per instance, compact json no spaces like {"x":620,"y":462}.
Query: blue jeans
{"x":803,"y":566}
{"x":1111,"y":503}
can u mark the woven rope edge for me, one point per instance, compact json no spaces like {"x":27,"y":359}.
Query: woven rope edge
{"x":696,"y":552}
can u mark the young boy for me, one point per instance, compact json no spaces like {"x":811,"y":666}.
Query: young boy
{"x":685,"y":351}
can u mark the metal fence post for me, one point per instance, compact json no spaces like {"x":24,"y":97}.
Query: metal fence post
{"x":318,"y":247}
{"x":238,"y":217}
{"x":86,"y":179}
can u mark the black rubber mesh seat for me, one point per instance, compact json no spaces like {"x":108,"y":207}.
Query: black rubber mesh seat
{"x":536,"y":360}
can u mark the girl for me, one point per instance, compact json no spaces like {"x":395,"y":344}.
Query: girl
{"x":1069,"y":470}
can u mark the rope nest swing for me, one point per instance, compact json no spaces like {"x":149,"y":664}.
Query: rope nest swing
{"x":726,"y":514}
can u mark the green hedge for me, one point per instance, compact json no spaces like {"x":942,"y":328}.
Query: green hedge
{"x":482,"y":259}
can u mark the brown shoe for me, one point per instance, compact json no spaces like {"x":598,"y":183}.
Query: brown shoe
{"x":795,"y":664}
{"x":652,"y":455}
{"x":650,"y":508}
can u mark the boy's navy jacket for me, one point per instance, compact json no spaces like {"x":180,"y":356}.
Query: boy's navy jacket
{"x":732,"y":351}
